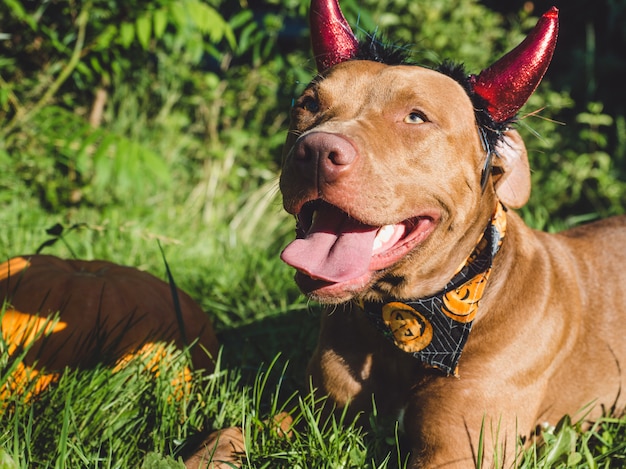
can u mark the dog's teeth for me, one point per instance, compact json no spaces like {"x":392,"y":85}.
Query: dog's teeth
{"x":385,"y":233}
{"x":383,"y":236}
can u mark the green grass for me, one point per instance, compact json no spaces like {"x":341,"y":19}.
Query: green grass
{"x":101,"y":419}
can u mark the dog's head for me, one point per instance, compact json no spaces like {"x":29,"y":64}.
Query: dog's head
{"x":388,"y":167}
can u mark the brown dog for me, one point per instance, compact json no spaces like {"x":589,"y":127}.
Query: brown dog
{"x":401,"y":179}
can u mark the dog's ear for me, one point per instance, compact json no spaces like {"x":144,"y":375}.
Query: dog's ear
{"x":511,"y":172}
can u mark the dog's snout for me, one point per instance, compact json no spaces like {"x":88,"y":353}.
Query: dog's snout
{"x":324,"y":156}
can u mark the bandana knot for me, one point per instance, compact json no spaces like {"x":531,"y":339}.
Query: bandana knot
{"x":435,"y":329}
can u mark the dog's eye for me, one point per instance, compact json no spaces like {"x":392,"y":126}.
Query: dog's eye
{"x":310,"y":104}
{"x":415,"y":118}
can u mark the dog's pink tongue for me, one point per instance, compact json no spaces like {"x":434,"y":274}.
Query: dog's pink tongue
{"x":335,"y":249}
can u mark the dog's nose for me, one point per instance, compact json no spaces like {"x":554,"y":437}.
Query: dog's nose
{"x":322,"y":156}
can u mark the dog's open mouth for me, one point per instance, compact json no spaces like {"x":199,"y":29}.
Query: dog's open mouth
{"x":331,"y":247}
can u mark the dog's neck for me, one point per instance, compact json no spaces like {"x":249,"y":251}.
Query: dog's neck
{"x":434,"y":329}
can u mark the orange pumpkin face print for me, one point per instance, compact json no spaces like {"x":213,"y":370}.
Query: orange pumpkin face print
{"x":411,"y":331}
{"x":461,"y":304}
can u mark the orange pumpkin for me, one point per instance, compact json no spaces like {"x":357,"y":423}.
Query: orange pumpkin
{"x":106,"y":313}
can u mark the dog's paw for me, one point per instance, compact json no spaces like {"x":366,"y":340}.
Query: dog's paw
{"x":222,"y":449}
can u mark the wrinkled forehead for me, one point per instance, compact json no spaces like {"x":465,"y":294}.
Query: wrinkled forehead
{"x":369,"y":83}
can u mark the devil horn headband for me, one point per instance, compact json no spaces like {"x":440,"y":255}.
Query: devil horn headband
{"x":505,"y":86}
{"x":508,"y":83}
{"x":332,"y":39}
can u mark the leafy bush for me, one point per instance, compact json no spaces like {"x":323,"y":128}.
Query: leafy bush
{"x":175,"y":84}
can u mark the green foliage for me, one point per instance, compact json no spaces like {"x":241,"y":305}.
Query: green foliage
{"x":575,"y":179}
{"x":67,"y":161}
{"x":460,"y":30}
{"x":118,"y":36}
{"x":176,"y":99}
{"x":567,"y":445}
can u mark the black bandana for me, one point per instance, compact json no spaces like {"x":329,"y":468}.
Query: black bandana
{"x":434,"y":329}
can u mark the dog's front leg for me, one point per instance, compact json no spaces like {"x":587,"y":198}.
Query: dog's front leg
{"x":354,"y":365}
{"x":455,"y":423}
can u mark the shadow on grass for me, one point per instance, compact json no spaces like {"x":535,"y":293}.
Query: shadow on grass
{"x":252,"y":347}
{"x":282,"y":342}
{"x":286,"y":342}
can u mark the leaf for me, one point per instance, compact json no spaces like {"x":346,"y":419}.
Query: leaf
{"x":144,"y":30}
{"x":156,"y":165}
{"x":573,"y":459}
{"x":156,"y":461}
{"x":6,"y":461}
{"x":244,"y":37}
{"x":127,"y":34}
{"x":563,"y":444}
{"x":4,"y":98}
{"x":230,"y":37}
{"x":55,"y":230}
{"x":124,"y":164}
{"x":87,"y":144}
{"x":208,"y":20}
{"x":159,"y":22}
{"x":18,"y":10}
{"x":241,"y":18}
{"x":102,"y":164}
{"x":178,"y":15}
{"x":104,"y":39}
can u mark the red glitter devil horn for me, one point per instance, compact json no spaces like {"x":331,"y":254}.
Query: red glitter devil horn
{"x":508,"y":83}
{"x":331,"y":37}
